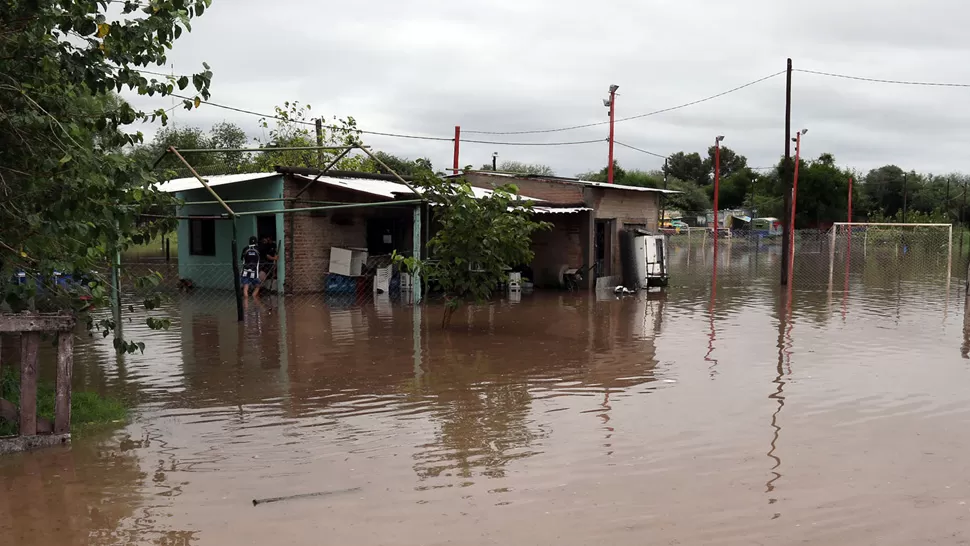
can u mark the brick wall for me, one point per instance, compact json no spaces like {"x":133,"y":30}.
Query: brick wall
{"x":310,"y":235}
{"x":627,"y":208}
{"x":557,"y":192}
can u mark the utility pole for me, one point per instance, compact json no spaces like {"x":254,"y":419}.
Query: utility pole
{"x":786,"y":180}
{"x":717,"y":182}
{"x":905,"y":196}
{"x":663,"y":199}
{"x":319,"y":126}
{"x":848,"y":214}
{"x":962,"y":210}
{"x":611,"y":104}
{"x":457,"y":146}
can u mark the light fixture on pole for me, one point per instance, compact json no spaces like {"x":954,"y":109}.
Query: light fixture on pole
{"x":794,"y":195}
{"x":611,"y":103}
{"x":717,"y":180}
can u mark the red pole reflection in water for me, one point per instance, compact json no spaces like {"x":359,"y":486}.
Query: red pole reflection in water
{"x":710,"y":312}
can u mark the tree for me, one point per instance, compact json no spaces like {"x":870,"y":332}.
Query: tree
{"x":622,"y":176}
{"x":730,"y":162}
{"x":228,"y":135}
{"x":689,"y":167}
{"x":477,"y":240}
{"x":71,"y":198}
{"x":291,"y":128}
{"x":691,"y":199}
{"x":523,"y":168}
{"x":402,"y":166}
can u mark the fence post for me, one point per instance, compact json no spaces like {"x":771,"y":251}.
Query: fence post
{"x":65,"y":366}
{"x":235,"y":271}
{"x":116,"y":297}
{"x":29,"y":346}
{"x":416,"y":242}
{"x":832,"y":256}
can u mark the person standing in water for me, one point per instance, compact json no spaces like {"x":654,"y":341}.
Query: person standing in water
{"x":249,"y":276}
{"x":267,"y":261}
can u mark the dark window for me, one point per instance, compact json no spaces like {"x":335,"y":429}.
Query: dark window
{"x":202,"y":237}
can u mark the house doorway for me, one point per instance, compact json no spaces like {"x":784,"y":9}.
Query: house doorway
{"x":603,"y":248}
{"x":266,"y":226}
{"x":384,"y":235}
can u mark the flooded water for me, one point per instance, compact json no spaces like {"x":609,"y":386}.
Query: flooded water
{"x":701,"y":416}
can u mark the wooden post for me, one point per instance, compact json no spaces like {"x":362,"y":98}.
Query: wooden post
{"x":65,"y":368}
{"x":30,"y":344}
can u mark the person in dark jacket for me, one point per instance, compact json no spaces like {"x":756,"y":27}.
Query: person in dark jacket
{"x":267,"y":261}
{"x":249,"y":276}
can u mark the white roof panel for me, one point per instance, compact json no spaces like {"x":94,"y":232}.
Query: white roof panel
{"x":563,"y":210}
{"x":383,"y":188}
{"x":191,"y":183}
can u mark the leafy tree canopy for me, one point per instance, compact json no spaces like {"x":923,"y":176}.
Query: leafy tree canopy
{"x":477,"y":239}
{"x":70,"y":196}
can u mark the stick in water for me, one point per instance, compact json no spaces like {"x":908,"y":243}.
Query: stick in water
{"x":257,"y":502}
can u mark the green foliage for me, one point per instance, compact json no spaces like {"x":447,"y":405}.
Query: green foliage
{"x":691,"y":199}
{"x":87,"y":408}
{"x":402,"y":166}
{"x":71,"y":198}
{"x":622,"y":176}
{"x":519,"y":167}
{"x":477,"y":239}
{"x":688,"y":167}
{"x":293,"y":127}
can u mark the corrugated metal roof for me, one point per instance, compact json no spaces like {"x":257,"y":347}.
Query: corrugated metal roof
{"x":191,"y":183}
{"x":383,"y":188}
{"x":624,"y":187}
{"x":565,"y":180}
{"x":563,"y":210}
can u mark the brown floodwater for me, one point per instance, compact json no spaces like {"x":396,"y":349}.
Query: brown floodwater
{"x":698,"y":416}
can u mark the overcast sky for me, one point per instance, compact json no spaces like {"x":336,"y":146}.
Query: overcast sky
{"x":423,"y":66}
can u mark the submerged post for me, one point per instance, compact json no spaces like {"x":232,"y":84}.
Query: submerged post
{"x":235,"y":271}
{"x":116,"y":298}
{"x":416,"y":253}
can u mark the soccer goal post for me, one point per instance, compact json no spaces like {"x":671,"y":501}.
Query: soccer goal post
{"x":923,"y":241}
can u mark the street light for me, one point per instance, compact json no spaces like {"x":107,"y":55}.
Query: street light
{"x":717,"y":179}
{"x":610,"y":103}
{"x":794,"y":195}
{"x":494,"y":161}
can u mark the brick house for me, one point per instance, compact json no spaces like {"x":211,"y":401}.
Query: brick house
{"x":588,"y":238}
{"x":586,"y":216}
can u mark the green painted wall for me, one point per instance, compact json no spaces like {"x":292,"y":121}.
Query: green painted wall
{"x":216,"y":271}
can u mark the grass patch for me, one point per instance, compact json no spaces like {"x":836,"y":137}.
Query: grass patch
{"x":88,"y":409}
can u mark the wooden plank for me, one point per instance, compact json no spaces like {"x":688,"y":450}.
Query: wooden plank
{"x":29,"y":348}
{"x":18,"y":444}
{"x":65,"y":367}
{"x":36,"y":323}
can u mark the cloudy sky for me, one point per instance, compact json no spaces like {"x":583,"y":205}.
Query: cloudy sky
{"x":423,"y":66}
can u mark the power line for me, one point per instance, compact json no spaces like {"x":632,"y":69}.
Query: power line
{"x":878,"y":80}
{"x":655,"y":112}
{"x":271,"y":116}
{"x":570,"y":143}
{"x":639,"y":149}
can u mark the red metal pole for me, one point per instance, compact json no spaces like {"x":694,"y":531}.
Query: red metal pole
{"x":457,"y":145}
{"x":609,"y":172}
{"x":849,"y":216}
{"x":794,"y":196}
{"x":717,"y":181}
